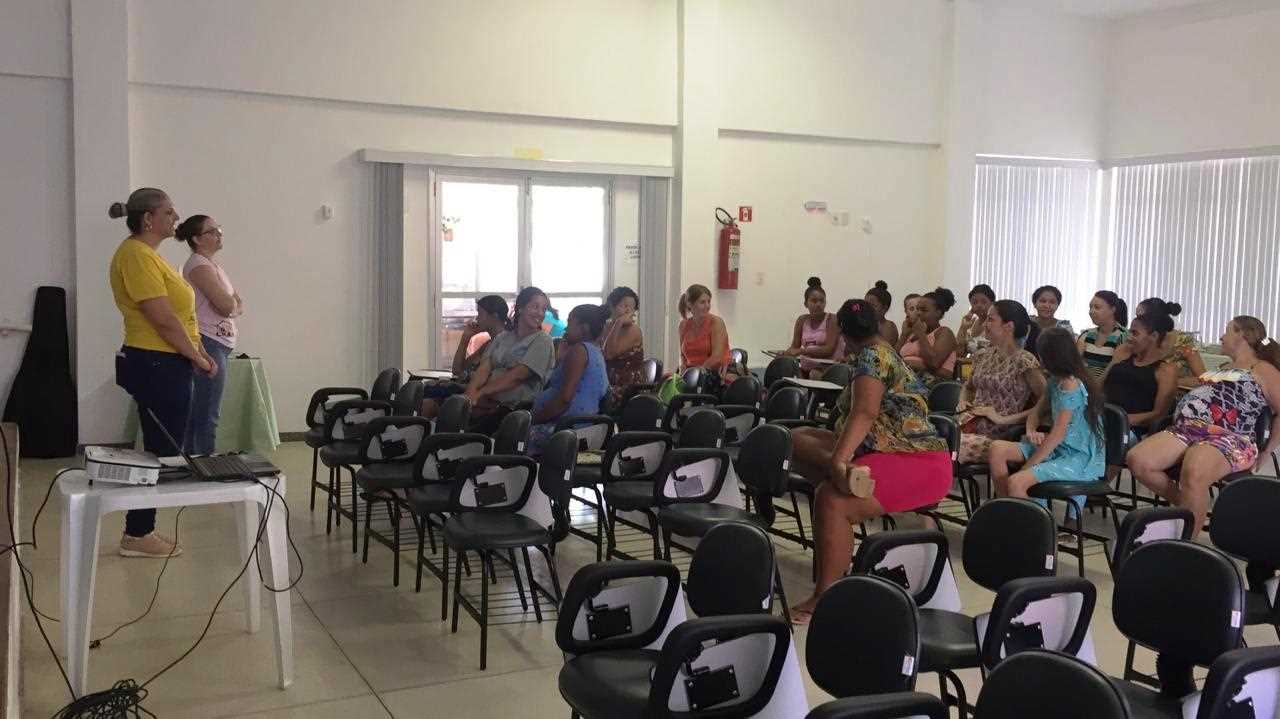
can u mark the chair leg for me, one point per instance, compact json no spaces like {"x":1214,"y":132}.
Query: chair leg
{"x":666,"y":543}
{"x":394,"y":510}
{"x":422,"y":535}
{"x":484,"y":615}
{"x":444,"y":577}
{"x":653,"y":531}
{"x":795,"y":506}
{"x":533,"y":592}
{"x":782,"y":593}
{"x":515,"y":571}
{"x":355,"y":512}
{"x":315,"y":460}
{"x":610,"y":531}
{"x":432,"y":536}
{"x":457,"y":586}
{"x":368,"y":516}
{"x":328,"y":506}
{"x":335,"y":497}
{"x":599,"y":522}
{"x":1079,"y":536}
{"x":548,"y":553}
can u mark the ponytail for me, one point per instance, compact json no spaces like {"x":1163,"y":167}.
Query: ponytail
{"x":691,"y":296}
{"x":1256,"y":333}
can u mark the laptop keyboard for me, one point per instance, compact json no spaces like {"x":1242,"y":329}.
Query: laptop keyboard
{"x":223,"y":466}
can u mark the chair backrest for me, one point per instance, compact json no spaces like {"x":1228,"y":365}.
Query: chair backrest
{"x":1240,"y":679}
{"x":912,"y":559}
{"x":945,"y":397}
{"x":618,"y":605}
{"x":949,"y":430}
{"x":1244,"y":519}
{"x":1049,"y":685}
{"x":385,"y":384}
{"x":695,"y":379}
{"x":691,"y":475}
{"x":704,"y":427}
{"x":839,"y":373}
{"x":393,"y":439}
{"x":864,"y":638}
{"x":493,"y":483}
{"x":899,"y":705}
{"x":642,"y":412}
{"x":1037,"y":613}
{"x":732,"y":571}
{"x":719,"y":667}
{"x":1150,"y":524}
{"x":786,"y":403}
{"x":454,"y":415}
{"x":743,"y":390}
{"x":1180,"y":598}
{"x":512,"y":435}
{"x":408,"y":399}
{"x":1009,"y":539}
{"x":763,"y":461}
{"x":1115,"y":434}
{"x":593,"y":430}
{"x":779,"y":368}
{"x":651,"y":371}
{"x":348,"y":418}
{"x":738,"y":356}
{"x":555,"y":473}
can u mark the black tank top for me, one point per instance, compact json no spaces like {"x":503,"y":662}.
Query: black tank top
{"x":1131,"y":386}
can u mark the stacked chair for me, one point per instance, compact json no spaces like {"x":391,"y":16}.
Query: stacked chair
{"x":323,"y":401}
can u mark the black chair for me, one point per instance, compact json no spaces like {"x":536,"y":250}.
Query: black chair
{"x":386,"y":459}
{"x":787,"y":406}
{"x":780,"y":368}
{"x":407,"y":401}
{"x":740,"y":405}
{"x":944,"y":397}
{"x":343,"y":431}
{"x":325,"y":399}
{"x":916,"y":560}
{"x":1241,"y":683}
{"x":614,"y":613}
{"x":512,"y":435}
{"x":1150,"y":524}
{"x":864,"y":638}
{"x":1037,"y":613}
{"x":1035,"y":683}
{"x":1184,"y":601}
{"x":1049,"y":685}
{"x":1244,"y":526}
{"x":738,"y":356}
{"x":1115,"y":429}
{"x":593,"y":432}
{"x":683,"y":405}
{"x":1006,"y":539}
{"x":485,"y":497}
{"x":693,"y":471}
{"x":651,"y":373}
{"x":949,"y":430}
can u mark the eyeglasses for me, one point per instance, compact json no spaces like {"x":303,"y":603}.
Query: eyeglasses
{"x":215,"y":231}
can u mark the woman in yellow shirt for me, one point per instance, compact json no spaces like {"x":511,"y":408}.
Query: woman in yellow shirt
{"x":161,"y":348}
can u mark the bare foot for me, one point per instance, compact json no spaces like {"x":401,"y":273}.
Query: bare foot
{"x":803,"y":612}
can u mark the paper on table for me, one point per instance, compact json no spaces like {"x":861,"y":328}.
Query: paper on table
{"x":431,"y":373}
{"x":815,"y":384}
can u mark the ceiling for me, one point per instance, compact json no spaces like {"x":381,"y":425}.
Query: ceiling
{"x":1111,"y":8}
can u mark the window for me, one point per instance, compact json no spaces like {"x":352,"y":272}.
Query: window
{"x":1205,"y":234}
{"x":1037,"y":225}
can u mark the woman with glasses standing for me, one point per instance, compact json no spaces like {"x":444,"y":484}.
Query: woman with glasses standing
{"x":217,"y":306}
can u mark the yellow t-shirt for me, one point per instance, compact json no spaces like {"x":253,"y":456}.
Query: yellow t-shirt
{"x":139,"y":273}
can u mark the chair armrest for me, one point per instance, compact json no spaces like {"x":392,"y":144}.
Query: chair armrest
{"x":467,"y":495}
{"x":898,"y":705}
{"x":794,"y":423}
{"x":585,"y":623}
{"x":322,"y":396}
{"x":625,"y":440}
{"x":336,"y":426}
{"x":668,"y":488}
{"x":586,"y":421}
{"x":432,"y":446}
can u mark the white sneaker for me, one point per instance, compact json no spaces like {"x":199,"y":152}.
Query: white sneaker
{"x":151,"y":546}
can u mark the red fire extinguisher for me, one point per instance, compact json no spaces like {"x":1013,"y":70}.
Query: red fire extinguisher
{"x":730,"y":250}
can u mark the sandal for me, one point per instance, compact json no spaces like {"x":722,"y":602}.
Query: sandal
{"x":801,"y":617}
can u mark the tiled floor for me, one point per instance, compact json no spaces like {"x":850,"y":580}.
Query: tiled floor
{"x":362,"y":648}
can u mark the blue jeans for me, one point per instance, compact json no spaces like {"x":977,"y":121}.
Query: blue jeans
{"x":159,"y":382}
{"x":206,"y":400}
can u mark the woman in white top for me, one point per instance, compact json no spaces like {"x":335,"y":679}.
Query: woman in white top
{"x":217,"y":306}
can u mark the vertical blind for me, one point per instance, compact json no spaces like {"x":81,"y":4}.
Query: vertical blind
{"x":1037,"y":225}
{"x":1205,"y":234}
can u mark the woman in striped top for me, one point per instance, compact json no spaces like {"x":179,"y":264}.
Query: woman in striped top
{"x":1098,"y":344}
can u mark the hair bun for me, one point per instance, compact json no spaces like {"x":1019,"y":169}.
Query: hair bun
{"x":882,"y":285}
{"x":116,"y":210}
{"x":815,"y":282}
{"x":1173,"y":308}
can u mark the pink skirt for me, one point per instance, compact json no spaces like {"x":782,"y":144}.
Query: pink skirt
{"x":908,"y":480}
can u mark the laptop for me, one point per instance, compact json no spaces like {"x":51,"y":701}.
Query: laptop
{"x":220,"y":468}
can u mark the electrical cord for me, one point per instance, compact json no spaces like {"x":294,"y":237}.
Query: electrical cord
{"x":125,"y":697}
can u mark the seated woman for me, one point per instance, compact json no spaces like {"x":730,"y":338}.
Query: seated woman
{"x":972,"y":335}
{"x":579,"y":381}
{"x":880,"y":300}
{"x":1138,"y":378}
{"x":1072,"y":451}
{"x":516,"y":364}
{"x":1110,"y":316}
{"x":490,"y":321}
{"x":1178,"y":347}
{"x":704,"y":340}
{"x":1005,"y":386}
{"x":926,"y":346}
{"x":814,"y":333}
{"x":1215,"y":424}
{"x":623,"y":343}
{"x":884,"y":428}
{"x":1046,"y":300}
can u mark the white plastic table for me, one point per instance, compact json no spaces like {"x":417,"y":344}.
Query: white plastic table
{"x":84,"y":504}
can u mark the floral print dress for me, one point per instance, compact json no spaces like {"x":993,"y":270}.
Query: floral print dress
{"x":999,"y":380}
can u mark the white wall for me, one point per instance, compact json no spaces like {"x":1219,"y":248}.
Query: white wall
{"x":1195,"y":79}
{"x":35,"y":185}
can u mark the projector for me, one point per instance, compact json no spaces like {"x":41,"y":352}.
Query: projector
{"x":121,"y":466}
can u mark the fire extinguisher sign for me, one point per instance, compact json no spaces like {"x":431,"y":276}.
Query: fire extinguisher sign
{"x":744,"y":213}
